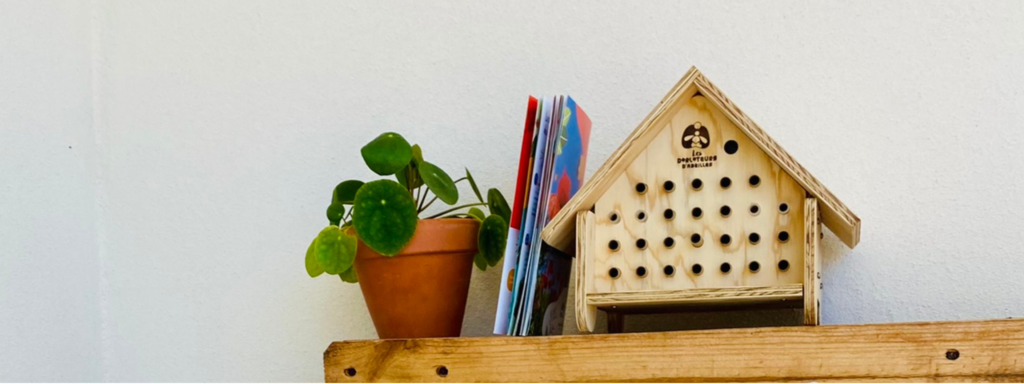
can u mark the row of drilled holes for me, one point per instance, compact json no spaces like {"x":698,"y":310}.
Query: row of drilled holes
{"x":697,"y":213}
{"x":697,"y":269}
{"x":696,"y":240}
{"x":697,"y":184}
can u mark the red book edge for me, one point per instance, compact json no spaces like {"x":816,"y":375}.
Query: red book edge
{"x":524,"y":164}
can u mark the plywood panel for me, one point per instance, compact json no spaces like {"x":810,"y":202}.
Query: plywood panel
{"x":666,"y":158}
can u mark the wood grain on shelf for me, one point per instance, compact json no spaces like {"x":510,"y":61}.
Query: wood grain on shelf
{"x":940,"y":351}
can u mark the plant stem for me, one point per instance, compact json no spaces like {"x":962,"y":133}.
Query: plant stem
{"x":428,"y":204}
{"x":456,"y":209}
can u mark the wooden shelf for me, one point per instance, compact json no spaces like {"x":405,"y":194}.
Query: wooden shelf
{"x":941,"y":351}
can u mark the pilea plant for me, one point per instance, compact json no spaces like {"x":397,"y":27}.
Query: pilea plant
{"x":383,"y":214}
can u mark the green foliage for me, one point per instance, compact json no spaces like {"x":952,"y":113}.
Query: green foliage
{"x":312,"y":266}
{"x":491,"y":239}
{"x":335,"y":212}
{"x":384,"y":215}
{"x":439,"y":182}
{"x":476,"y":213}
{"x":497,"y":204}
{"x":335,"y":250}
{"x":345,"y":192}
{"x":472,"y":183}
{"x":349,"y":276}
{"x":387,"y":154}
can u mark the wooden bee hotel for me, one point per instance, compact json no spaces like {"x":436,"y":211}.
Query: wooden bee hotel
{"x":699,"y":207}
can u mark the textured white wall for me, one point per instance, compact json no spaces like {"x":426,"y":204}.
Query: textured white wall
{"x":170,"y":246}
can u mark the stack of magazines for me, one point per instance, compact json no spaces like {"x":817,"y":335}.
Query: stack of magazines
{"x":535,"y":276}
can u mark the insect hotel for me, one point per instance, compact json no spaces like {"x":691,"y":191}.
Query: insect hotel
{"x":698,"y":208}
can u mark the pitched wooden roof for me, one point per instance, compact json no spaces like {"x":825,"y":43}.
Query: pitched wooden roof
{"x":561,"y":230}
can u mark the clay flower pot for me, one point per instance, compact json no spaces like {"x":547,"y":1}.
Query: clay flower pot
{"x":421,"y":292}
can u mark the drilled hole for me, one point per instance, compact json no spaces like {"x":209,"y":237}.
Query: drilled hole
{"x":754,"y":209}
{"x":613,"y":273}
{"x":641,"y":188}
{"x":613,"y":245}
{"x":755,"y":180}
{"x":670,"y":214}
{"x":641,"y":215}
{"x":696,"y":184}
{"x":442,"y":371}
{"x":669,"y":270}
{"x":783,"y":236}
{"x":725,"y":211}
{"x":641,"y":271}
{"x":696,"y":240}
{"x":350,"y":372}
{"x":754,"y":238}
{"x":696,"y":213}
{"x":731,"y":147}
{"x":783,"y":207}
{"x":614,"y":217}
{"x":725,"y":239}
{"x":725,"y":268}
{"x":725,"y":183}
{"x":641,"y":243}
{"x":669,"y":242}
{"x":952,"y":354}
{"x":669,"y":186}
{"x":697,"y":269}
{"x":783,"y":265}
{"x":755,"y":266}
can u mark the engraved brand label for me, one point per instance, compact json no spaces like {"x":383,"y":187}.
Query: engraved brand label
{"x":696,"y":137}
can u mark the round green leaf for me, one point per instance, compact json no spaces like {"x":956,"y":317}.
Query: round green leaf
{"x":480,"y":261}
{"x":387,"y":154}
{"x":407,"y":174}
{"x":312,"y":267}
{"x":349,"y":276}
{"x":417,"y":153}
{"x":491,"y":239}
{"x":477,"y":213}
{"x":335,"y":250}
{"x":335,"y":212}
{"x":345,"y":192}
{"x":496,"y":202}
{"x":384,"y":215}
{"x":439,"y":183}
{"x":472,"y":183}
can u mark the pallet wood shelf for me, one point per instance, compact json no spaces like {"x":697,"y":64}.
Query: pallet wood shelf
{"x":990,"y":350}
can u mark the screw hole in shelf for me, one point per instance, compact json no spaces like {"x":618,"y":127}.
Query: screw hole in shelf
{"x":442,"y":371}
{"x":952,"y":354}
{"x":350,"y":372}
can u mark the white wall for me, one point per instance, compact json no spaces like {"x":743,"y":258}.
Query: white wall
{"x":167,"y":244}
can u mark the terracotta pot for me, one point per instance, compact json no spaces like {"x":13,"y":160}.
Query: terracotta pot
{"x":421,"y":292}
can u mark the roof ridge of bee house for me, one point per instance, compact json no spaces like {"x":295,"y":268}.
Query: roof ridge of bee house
{"x":698,"y":206}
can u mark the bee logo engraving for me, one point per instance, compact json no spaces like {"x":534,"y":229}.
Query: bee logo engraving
{"x":696,"y":137}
